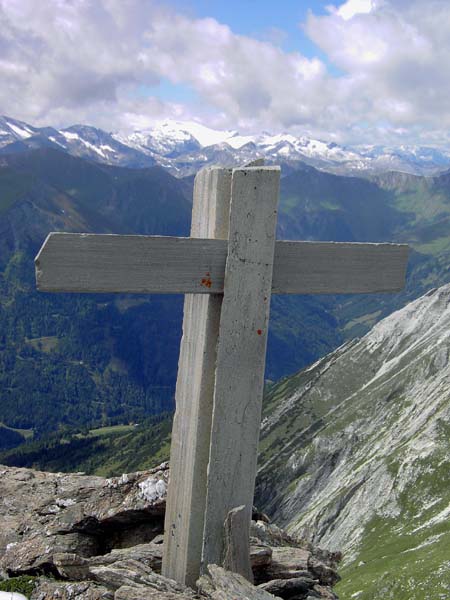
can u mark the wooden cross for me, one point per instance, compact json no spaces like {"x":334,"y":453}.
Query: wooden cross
{"x":228,"y":269}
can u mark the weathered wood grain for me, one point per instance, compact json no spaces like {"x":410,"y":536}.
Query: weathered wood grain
{"x":74,"y":262}
{"x":189,"y":452}
{"x":241,"y":353}
{"x":237,"y":543}
{"x":338,"y":268}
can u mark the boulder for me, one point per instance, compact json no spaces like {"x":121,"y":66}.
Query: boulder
{"x":288,"y":588}
{"x":219,"y":584}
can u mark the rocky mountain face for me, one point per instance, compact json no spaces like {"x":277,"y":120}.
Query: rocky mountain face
{"x":90,"y":538}
{"x":355,"y":454}
{"x":185,"y":147}
{"x":77,"y":140}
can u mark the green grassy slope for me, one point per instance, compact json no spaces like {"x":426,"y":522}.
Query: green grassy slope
{"x":105,"y":451}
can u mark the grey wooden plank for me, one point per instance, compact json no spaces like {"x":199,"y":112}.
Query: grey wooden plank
{"x":151,"y":264}
{"x":73,"y":262}
{"x":237,"y":543}
{"x":338,"y":268}
{"x":189,"y":453}
{"x":241,"y":353}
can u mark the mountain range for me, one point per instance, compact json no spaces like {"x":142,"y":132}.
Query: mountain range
{"x":184,"y":147}
{"x":84,"y":361}
{"x":354,"y":447}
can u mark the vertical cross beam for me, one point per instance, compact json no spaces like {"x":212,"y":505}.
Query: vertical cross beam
{"x":221,"y":375}
{"x":241,"y":353}
{"x":189,"y":452}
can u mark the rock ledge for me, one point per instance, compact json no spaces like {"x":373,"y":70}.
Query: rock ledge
{"x":90,"y":538}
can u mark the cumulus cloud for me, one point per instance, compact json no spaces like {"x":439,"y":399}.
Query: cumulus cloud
{"x":97,"y":61}
{"x":394,"y":59}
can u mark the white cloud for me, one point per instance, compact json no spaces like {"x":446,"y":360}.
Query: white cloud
{"x":63,"y":61}
{"x":353,"y":7}
{"x":395,"y":62}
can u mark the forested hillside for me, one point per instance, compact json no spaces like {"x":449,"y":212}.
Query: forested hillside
{"x":85,"y":361}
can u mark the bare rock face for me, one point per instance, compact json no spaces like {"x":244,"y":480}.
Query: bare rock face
{"x":102,"y":539}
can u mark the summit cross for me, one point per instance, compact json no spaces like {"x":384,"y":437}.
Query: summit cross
{"x":227,"y":269}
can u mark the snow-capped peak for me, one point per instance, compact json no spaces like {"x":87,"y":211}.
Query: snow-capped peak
{"x":12,"y":130}
{"x":205,"y":136}
{"x":22,"y":132}
{"x":169,"y":133}
{"x":183,"y":147}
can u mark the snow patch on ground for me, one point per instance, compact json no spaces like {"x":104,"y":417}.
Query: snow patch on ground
{"x":69,"y":135}
{"x":23,"y":133}
{"x":107,"y":148}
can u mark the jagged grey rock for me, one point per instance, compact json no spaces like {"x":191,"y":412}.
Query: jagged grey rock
{"x":48,"y":589}
{"x":287,"y":561}
{"x":88,"y":532}
{"x":287,"y":588}
{"x":136,"y":574}
{"x":260,"y":553}
{"x":219,"y":584}
{"x":144,"y":593}
{"x":44,"y":514}
{"x":72,"y":566}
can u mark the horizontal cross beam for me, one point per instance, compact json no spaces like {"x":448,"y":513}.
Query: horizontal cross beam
{"x":80,"y":262}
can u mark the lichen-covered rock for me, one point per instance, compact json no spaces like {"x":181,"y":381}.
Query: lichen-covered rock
{"x":273,"y":535}
{"x":36,"y":553}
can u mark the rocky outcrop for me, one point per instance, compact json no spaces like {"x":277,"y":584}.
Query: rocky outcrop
{"x":90,"y":538}
{"x":45,"y":514}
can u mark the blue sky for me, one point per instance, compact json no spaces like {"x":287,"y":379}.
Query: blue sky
{"x":351,"y":71}
{"x":260,"y":18}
